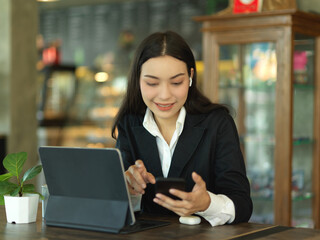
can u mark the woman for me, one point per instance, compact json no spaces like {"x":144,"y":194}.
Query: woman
{"x":167,"y":128}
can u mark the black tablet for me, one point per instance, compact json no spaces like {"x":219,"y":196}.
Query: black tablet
{"x":88,"y":190}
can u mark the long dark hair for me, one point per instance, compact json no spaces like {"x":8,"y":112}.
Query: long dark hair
{"x":159,"y":44}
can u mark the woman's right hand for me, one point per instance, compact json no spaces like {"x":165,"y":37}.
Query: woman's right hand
{"x":137,"y":178}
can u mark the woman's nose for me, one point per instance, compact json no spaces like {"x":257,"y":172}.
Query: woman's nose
{"x":164,"y":92}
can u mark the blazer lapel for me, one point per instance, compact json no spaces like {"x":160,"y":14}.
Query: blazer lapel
{"x":187,"y":144}
{"x":148,"y":150}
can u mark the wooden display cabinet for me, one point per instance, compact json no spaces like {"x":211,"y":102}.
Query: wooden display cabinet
{"x":267,"y":66}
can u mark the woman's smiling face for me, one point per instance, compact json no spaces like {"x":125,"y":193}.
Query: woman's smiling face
{"x":164,"y":84}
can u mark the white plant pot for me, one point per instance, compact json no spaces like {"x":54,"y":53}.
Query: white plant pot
{"x":21,"y":209}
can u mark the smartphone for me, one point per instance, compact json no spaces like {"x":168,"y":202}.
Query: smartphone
{"x":164,"y":184}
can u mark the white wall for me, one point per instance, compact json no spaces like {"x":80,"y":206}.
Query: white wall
{"x":18,"y":76}
{"x":4,"y":66}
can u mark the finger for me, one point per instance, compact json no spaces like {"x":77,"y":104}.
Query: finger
{"x":180,"y":194}
{"x":198,"y":179}
{"x":142,"y":170}
{"x":165,"y":202}
{"x":139,"y":163}
{"x":136,"y":189}
{"x":131,"y":190}
{"x":133,"y":184}
{"x":172,"y":202}
{"x":148,"y":177}
{"x":151,"y":178}
{"x":137,"y":176}
{"x":166,"y":205}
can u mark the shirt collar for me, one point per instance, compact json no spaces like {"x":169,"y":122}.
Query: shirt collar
{"x":150,"y":124}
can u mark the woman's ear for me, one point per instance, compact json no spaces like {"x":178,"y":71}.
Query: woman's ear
{"x":191,"y":73}
{"x":191,"y":76}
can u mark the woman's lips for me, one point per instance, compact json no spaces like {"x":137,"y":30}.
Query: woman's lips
{"x":164,"y":107}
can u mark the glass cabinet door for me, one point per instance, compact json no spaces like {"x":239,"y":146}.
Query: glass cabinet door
{"x":247,"y":79}
{"x":303,"y":111}
{"x":266,"y":67}
{"x":247,"y":83}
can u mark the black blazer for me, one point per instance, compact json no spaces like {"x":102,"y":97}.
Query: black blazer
{"x":208,"y":145}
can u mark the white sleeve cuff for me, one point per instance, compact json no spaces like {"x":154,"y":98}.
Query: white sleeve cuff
{"x":136,"y":202}
{"x":220,"y":211}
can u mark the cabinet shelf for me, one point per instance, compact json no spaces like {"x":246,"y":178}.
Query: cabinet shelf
{"x":267,"y":140}
{"x":257,"y":138}
{"x":303,"y":197}
{"x":300,"y":198}
{"x":300,"y":86}
{"x":266,"y":66}
{"x":261,"y":87}
{"x":267,"y":87}
{"x":302,"y":141}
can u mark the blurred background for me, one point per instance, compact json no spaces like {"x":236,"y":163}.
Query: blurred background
{"x":63,"y":73}
{"x":85,"y":52}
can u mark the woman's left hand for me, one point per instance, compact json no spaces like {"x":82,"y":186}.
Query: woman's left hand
{"x":191,"y":202}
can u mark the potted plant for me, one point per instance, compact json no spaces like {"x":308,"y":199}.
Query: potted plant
{"x":20,"y":199}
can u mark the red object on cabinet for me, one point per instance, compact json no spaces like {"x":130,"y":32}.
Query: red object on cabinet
{"x":247,"y":6}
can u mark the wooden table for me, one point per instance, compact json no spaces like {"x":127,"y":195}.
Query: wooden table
{"x":175,"y":230}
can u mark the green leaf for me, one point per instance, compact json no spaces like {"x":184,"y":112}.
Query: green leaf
{"x":31,"y":173}
{"x":28,"y":188}
{"x":15,"y":192}
{"x":5,"y":177}
{"x":34,"y":192}
{"x":7,"y":187}
{"x":1,"y":200}
{"x":41,"y":196}
{"x":14,"y":162}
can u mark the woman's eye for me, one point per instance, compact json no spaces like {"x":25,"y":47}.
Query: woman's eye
{"x":152,"y":84}
{"x":177,"y":83}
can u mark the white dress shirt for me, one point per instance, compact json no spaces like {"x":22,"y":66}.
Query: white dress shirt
{"x":221,"y":209}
